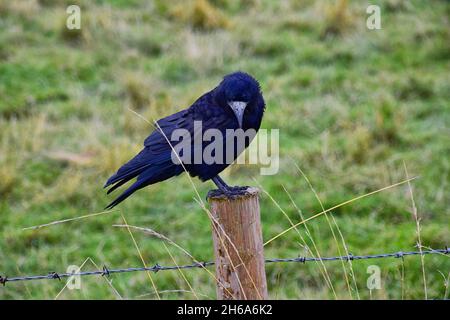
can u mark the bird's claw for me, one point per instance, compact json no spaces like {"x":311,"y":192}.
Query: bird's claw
{"x":230,"y":192}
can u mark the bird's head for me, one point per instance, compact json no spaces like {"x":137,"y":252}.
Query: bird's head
{"x":240,"y":93}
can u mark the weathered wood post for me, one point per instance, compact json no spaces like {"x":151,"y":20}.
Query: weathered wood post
{"x":238,"y":245}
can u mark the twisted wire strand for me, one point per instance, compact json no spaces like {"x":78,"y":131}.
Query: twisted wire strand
{"x":156,"y":268}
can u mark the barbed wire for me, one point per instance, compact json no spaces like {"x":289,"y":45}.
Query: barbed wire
{"x":156,"y":268}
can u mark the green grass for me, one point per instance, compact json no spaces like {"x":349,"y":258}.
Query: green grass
{"x":352,"y":106}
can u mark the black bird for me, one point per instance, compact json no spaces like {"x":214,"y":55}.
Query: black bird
{"x":236,"y":103}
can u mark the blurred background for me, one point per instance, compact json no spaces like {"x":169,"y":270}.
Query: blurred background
{"x":354,"y":107}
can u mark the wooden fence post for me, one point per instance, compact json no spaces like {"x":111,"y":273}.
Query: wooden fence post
{"x":238,"y":245}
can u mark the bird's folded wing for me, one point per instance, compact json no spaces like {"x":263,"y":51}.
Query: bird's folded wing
{"x":159,"y":139}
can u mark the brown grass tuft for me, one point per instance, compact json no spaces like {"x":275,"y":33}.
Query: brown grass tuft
{"x":201,"y":14}
{"x":338,"y":19}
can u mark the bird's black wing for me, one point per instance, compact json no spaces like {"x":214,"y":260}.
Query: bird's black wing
{"x":153,"y":163}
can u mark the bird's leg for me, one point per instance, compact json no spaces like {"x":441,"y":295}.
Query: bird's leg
{"x":221,"y":184}
{"x":221,"y":181}
{"x":225,"y":188}
{"x":235,"y":188}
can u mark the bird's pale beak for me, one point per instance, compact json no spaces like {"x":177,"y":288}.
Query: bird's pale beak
{"x":238,"y":108}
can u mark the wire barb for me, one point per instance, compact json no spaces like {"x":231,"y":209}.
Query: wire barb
{"x":3,"y":280}
{"x":156,"y":268}
{"x":105,"y":271}
{"x":54,"y":275}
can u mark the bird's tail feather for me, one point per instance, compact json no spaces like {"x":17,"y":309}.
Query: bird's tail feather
{"x":148,"y":175}
{"x":132,"y":168}
{"x":142,"y":161}
{"x":135,"y":186}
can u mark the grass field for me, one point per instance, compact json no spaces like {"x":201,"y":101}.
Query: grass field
{"x":354,"y":108}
